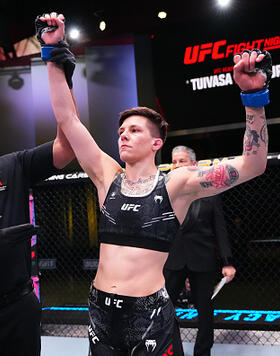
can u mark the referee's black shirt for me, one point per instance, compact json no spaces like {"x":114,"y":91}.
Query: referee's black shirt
{"x":19,"y":171}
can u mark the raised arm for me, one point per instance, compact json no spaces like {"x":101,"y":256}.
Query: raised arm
{"x":252,"y":72}
{"x":100,"y":167}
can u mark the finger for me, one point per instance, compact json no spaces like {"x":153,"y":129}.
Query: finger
{"x":61,"y":17}
{"x":252,"y":60}
{"x":237,"y":57}
{"x":260,"y":57}
{"x":246,"y":61}
{"x":53,"y":16}
{"x":48,"y":19}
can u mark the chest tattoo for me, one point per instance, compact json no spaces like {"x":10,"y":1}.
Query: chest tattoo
{"x":141,"y":187}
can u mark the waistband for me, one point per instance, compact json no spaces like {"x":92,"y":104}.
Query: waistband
{"x":15,"y":294}
{"x":117,"y":301}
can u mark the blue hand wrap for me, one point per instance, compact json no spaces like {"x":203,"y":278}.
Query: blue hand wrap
{"x":255,"y":100}
{"x":45,"y":52}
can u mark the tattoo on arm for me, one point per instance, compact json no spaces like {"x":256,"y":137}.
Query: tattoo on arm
{"x":252,"y":137}
{"x":251,"y":141}
{"x":250,"y":119}
{"x":219,"y":176}
{"x":264,"y":134}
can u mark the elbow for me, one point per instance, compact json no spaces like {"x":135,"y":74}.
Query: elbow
{"x":260,"y":169}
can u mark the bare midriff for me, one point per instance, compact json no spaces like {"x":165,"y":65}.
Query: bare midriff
{"x":130,"y":271}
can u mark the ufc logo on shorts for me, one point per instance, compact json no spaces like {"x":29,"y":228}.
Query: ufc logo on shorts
{"x":128,"y":207}
{"x":169,"y":351}
{"x":92,"y":335}
{"x":116,"y":302}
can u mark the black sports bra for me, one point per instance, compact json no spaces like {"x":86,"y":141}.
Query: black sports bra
{"x":140,"y":221}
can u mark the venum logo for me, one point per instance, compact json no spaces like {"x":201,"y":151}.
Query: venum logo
{"x":132,"y":207}
{"x":150,"y":345}
{"x":158,"y":198}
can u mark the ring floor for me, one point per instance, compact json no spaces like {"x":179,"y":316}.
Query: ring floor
{"x":73,"y":346}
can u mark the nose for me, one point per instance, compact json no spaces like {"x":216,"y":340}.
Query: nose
{"x":123,"y":136}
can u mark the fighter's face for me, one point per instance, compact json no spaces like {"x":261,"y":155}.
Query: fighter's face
{"x":181,"y":159}
{"x":135,"y":139}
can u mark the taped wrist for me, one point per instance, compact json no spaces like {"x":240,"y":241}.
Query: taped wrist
{"x":255,"y":99}
{"x":259,"y":97}
{"x":46,"y":52}
{"x":60,"y":54}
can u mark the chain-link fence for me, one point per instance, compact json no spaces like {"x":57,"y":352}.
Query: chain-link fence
{"x":66,"y":210}
{"x":248,"y":309}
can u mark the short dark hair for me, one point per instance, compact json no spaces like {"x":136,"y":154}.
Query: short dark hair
{"x":152,"y":115}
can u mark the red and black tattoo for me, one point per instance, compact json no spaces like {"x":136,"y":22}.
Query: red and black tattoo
{"x":219,"y":176}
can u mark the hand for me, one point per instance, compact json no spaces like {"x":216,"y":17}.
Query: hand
{"x":50,"y":28}
{"x":249,"y":73}
{"x":229,"y":272}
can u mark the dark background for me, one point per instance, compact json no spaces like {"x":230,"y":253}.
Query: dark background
{"x":187,"y":24}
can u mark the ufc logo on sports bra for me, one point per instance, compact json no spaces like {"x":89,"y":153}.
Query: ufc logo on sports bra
{"x":116,"y":302}
{"x":128,"y":207}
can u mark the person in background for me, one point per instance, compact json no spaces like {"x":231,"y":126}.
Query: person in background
{"x":194,"y":256}
{"x":20,"y":310}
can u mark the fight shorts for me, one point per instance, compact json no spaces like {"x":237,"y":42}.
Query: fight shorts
{"x":132,"y":326}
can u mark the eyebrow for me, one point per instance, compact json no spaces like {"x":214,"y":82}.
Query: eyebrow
{"x":131,"y":127}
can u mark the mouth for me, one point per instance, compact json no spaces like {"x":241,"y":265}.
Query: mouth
{"x":124,"y":146}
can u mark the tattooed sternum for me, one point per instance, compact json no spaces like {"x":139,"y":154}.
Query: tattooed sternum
{"x":141,"y":187}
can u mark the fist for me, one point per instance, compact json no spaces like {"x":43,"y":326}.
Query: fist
{"x":245,"y":72}
{"x":50,"y":28}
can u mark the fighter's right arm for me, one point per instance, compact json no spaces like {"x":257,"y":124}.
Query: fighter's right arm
{"x":100,"y":167}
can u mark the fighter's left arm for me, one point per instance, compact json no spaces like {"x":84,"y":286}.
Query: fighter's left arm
{"x":252,"y":72}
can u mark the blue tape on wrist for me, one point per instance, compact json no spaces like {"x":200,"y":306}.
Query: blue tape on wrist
{"x":45,"y":52}
{"x":255,"y":100}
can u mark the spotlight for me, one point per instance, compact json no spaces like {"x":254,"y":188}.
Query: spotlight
{"x":102,"y":25}
{"x":224,"y":3}
{"x":74,"y":33}
{"x":162,"y":14}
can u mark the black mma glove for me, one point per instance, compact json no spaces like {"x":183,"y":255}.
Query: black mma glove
{"x":264,"y":68}
{"x":17,"y":234}
{"x":58,"y":53}
{"x":259,"y":97}
{"x":40,"y":28}
{"x":62,"y":55}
